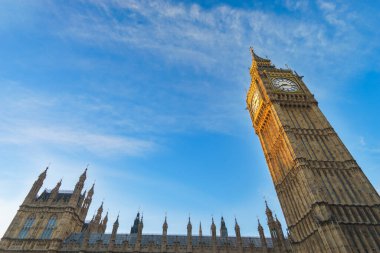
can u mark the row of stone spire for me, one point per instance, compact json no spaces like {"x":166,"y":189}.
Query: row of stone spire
{"x":98,"y":224}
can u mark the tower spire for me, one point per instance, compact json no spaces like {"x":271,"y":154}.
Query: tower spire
{"x":114,"y":231}
{"x":189,"y":236}
{"x":223,"y":228}
{"x":262,"y":235}
{"x":36,"y":186}
{"x":54,"y":192}
{"x":164,"y":235}
{"x":78,"y":189}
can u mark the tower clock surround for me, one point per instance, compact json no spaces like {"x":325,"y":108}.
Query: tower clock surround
{"x":328,"y":203}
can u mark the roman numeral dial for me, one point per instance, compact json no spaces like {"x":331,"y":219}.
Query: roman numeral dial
{"x":284,"y":84}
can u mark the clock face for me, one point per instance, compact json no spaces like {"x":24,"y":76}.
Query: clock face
{"x":255,"y":101}
{"x":284,"y":84}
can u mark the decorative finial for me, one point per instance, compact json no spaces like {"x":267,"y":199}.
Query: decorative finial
{"x":252,"y":52}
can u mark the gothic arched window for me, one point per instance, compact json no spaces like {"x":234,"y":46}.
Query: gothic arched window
{"x":46,"y":234}
{"x":28,"y":224}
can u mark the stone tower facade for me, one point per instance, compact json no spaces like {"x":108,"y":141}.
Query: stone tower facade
{"x":328,"y":203}
{"x":45,"y":220}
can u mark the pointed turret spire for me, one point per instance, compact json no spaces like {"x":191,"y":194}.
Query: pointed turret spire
{"x":189,"y":226}
{"x":213,"y":228}
{"x":134,"y":228}
{"x":259,"y":227}
{"x":78,"y":189}
{"x":105,"y":219}
{"x":262,"y":235}
{"x":237,"y":229}
{"x":213,"y":236}
{"x":80,"y":183}
{"x":99,"y":214}
{"x":91,"y":191}
{"x":83,"y":176}
{"x":114,"y":231}
{"x":165,"y":227}
{"x":87,"y":202}
{"x":189,"y":237}
{"x":223,"y":228}
{"x":36,"y":186}
{"x":55,"y":191}
{"x":164,"y":240}
{"x":116,"y":223}
{"x":140,"y":228}
{"x":268,"y":212}
{"x":200,"y":229}
{"x":103,"y":225}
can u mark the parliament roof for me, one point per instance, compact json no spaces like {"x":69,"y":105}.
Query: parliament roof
{"x":155,"y":239}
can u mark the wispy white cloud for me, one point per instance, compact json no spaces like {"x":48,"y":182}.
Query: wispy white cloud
{"x":101,"y":144}
{"x":176,"y":26}
{"x":25,"y":124}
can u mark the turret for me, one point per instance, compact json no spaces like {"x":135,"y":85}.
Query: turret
{"x":200,"y":230}
{"x":140,"y":227}
{"x":239,"y":241}
{"x":237,"y":232}
{"x":103,"y":225}
{"x":262,"y":235}
{"x":272,"y":226}
{"x":164,"y":240}
{"x":134,"y":228}
{"x":213,"y":229}
{"x":78,"y":189}
{"x":213,"y":235}
{"x":189,"y":238}
{"x":36,"y":187}
{"x":115,"y":227}
{"x":87,"y":203}
{"x":98,"y":215}
{"x":55,"y":191}
{"x":223,"y":229}
{"x":165,"y":227}
{"x":268,"y":212}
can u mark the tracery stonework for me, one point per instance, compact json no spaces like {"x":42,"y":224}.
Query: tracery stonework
{"x":328,"y":203}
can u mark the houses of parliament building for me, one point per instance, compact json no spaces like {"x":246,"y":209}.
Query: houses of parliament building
{"x":328,"y":203}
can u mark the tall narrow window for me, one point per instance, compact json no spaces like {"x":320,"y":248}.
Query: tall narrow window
{"x":46,"y":234}
{"x":25,"y":229}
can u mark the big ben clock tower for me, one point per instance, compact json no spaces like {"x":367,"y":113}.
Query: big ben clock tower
{"x":328,"y":203}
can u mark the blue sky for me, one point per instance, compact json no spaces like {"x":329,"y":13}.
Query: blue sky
{"x":152,"y":95}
